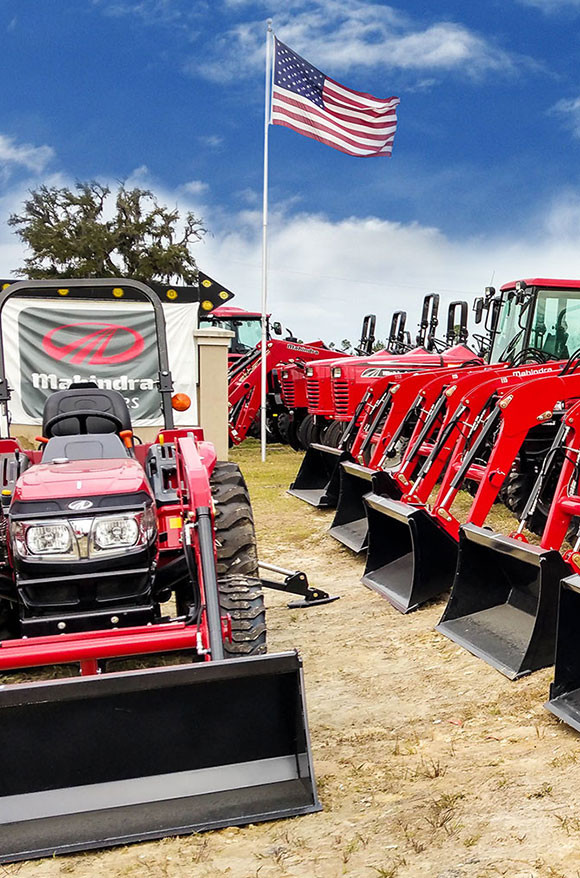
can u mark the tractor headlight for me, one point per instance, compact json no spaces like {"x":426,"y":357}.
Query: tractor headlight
{"x":52,"y":540}
{"x":337,"y":372}
{"x":84,"y":538}
{"x":48,"y":539}
{"x":115,"y":533}
{"x":309,"y":372}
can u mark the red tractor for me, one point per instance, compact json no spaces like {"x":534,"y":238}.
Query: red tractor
{"x":112,"y":549}
{"x":246,"y":326}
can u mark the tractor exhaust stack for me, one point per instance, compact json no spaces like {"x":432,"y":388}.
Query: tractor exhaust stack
{"x":504,"y":601}
{"x":124,"y":757}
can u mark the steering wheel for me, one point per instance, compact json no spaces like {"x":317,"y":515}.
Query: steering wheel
{"x":83,"y":415}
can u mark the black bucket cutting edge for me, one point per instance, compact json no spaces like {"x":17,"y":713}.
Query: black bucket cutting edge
{"x":503,"y":604}
{"x":411,"y":558}
{"x":350,"y":526}
{"x":317,"y":479}
{"x":564,"y":701}
{"x":96,"y":762}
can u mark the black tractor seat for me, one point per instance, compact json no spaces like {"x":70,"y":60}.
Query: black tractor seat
{"x":83,"y":410}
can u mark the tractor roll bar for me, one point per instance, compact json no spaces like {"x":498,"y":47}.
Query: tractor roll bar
{"x":41,"y":287}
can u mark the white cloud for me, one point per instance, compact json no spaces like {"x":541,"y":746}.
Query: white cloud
{"x":338,"y":37}
{"x":150,"y":11}
{"x":195,"y":187}
{"x":213,"y":141}
{"x":569,"y":109}
{"x":33,"y":158}
{"x":325,"y":275}
{"x":551,"y":6}
{"x":334,"y":35}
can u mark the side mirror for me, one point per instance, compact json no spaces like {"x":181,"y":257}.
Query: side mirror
{"x":478,"y":309}
{"x":277,"y":328}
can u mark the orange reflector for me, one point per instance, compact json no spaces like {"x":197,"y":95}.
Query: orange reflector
{"x":175,"y":523}
{"x":180,"y":402}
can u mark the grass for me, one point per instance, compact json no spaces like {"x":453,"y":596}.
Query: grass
{"x":428,"y":762}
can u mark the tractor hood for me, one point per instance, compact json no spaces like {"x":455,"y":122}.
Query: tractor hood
{"x":84,"y":478}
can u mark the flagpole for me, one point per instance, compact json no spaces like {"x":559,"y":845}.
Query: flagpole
{"x":263,"y":381}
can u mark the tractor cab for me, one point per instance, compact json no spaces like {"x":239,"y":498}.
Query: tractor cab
{"x":246,"y":326}
{"x":537,"y":315}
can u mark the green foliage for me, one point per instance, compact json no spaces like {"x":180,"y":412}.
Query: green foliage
{"x":70,"y":233}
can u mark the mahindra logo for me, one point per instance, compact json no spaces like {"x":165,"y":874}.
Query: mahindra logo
{"x":91,"y":344}
{"x":80,"y":505}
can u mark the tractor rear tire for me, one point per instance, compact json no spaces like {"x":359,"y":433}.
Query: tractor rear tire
{"x":237,"y":562}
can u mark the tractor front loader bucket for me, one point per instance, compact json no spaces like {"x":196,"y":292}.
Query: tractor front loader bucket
{"x":565,"y":690}
{"x":411,"y":559}
{"x":504,"y":601}
{"x":317,"y":479}
{"x":138,"y":755}
{"x":350,"y":525}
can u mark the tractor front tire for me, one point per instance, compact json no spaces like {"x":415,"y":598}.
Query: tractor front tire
{"x":241,"y":594}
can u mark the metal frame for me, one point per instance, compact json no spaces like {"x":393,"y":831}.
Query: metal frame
{"x":36,"y":289}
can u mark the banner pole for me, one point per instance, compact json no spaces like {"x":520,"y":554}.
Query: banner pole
{"x":263,"y":381}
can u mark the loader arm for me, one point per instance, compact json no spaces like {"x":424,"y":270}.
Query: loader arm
{"x":412,"y":552}
{"x":518,"y":410}
{"x":244,"y":390}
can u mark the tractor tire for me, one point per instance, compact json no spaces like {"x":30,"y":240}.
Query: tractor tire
{"x":240,"y":588}
{"x":333,"y":434}
{"x":242,"y":597}
{"x":293,"y":426}
{"x":306,"y":432}
{"x":283,"y":422}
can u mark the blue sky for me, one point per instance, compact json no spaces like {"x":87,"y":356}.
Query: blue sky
{"x":169,"y":94}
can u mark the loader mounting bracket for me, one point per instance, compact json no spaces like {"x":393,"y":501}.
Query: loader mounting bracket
{"x":296,"y":582}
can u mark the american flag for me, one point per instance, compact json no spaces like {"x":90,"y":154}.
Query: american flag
{"x":312,"y":104}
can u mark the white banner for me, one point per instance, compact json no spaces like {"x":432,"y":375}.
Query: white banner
{"x":50,"y":344}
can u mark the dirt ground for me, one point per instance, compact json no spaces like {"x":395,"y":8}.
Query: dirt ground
{"x":428,"y":762}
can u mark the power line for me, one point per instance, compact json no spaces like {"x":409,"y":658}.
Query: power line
{"x":357,"y":280}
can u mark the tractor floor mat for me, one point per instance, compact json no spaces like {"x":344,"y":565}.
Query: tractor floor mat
{"x":317,"y":480}
{"x":123,"y":757}
{"x":350,"y":526}
{"x":564,"y":699}
{"x":504,"y":601}
{"x":411,"y":558}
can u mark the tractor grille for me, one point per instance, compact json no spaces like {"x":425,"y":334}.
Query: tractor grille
{"x":288,"y":391}
{"x":340,"y":391}
{"x":313,"y":392}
